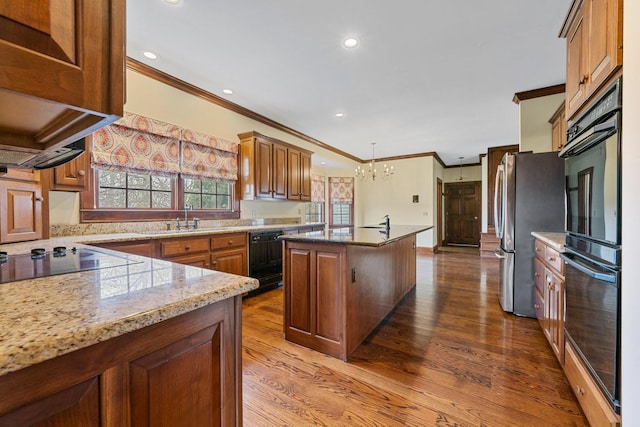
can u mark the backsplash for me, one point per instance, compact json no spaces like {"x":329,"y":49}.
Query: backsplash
{"x":62,"y":230}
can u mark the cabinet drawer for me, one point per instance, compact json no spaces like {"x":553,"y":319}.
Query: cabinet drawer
{"x":553,"y":259}
{"x":184,"y":246}
{"x":228,"y":241}
{"x":593,"y":403}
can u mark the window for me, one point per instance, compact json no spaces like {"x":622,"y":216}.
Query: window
{"x":120,"y":190}
{"x":206,"y":194}
{"x":313,"y":212}
{"x":341,"y":215}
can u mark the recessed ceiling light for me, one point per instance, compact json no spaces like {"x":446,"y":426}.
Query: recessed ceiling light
{"x":350,"y":42}
{"x":339,"y":114}
{"x":227,"y":91}
{"x":323,"y":163}
{"x":150,"y":55}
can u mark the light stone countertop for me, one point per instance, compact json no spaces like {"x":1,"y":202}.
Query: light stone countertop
{"x":555,"y":240}
{"x":50,"y":316}
{"x":361,"y":236}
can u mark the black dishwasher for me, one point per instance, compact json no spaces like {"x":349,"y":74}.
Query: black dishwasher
{"x":265,"y":259}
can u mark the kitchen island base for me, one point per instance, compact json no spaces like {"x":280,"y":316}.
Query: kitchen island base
{"x":183,"y":371}
{"x":337,"y":293}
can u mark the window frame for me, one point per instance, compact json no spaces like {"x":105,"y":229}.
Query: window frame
{"x":331,"y":223}
{"x":89,"y":212}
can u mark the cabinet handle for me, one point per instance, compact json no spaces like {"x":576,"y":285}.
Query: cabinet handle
{"x":80,"y":172}
{"x":40,"y":199}
{"x":536,"y":274}
{"x":551,"y":286}
{"x":579,"y":390}
{"x":537,"y":249}
{"x":536,"y":306}
{"x":187,"y":248}
{"x":230,"y":242}
{"x":552,"y":259}
{"x":585,"y":79}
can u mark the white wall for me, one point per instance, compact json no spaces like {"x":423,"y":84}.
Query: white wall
{"x":630,"y":224}
{"x":535,"y":129}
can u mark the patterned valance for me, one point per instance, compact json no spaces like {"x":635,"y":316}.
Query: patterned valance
{"x":142,"y":149}
{"x":206,"y":156}
{"x":317,"y":188}
{"x":341,"y":190}
{"x":142,"y":145}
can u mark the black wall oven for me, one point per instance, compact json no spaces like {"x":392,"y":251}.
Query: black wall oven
{"x":593,"y":246}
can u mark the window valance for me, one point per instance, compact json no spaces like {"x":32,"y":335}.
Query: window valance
{"x":143,"y":145}
{"x":317,"y":188}
{"x":341,"y":189}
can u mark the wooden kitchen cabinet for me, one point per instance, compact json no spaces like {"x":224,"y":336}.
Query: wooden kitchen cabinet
{"x":549,"y":298}
{"x":558,"y":128}
{"x":20,"y":206}
{"x":593,"y":29}
{"x":265,"y":171}
{"x":299,"y":175}
{"x":135,"y":247}
{"x":190,"y":250}
{"x":71,"y":176}
{"x":229,"y":253}
{"x":62,"y":70}
{"x":182,"y":371}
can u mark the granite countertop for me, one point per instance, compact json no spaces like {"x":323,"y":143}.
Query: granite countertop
{"x":361,"y":236}
{"x":555,"y":240}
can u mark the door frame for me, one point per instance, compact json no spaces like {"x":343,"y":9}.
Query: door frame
{"x":440,"y":213}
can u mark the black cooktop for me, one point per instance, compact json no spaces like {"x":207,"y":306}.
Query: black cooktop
{"x":41,"y":263}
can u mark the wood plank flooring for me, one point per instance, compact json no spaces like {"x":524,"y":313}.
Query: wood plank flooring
{"x":446,"y":356}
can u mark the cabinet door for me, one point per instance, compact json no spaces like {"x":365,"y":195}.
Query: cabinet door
{"x":279,"y":171}
{"x":72,"y":175}
{"x":62,"y":69}
{"x":20,"y":211}
{"x":577,"y":39}
{"x":294,"y":188}
{"x":78,"y":405}
{"x":305,"y":177}
{"x":180,"y":385}
{"x":605,"y":40}
{"x":232,"y":261}
{"x":263,"y":164}
{"x":554,"y":308}
{"x":136,"y":247}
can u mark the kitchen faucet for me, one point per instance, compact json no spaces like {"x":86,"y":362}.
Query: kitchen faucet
{"x":186,"y":224}
{"x":386,"y":223}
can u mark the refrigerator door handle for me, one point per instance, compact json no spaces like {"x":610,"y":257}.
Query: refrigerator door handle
{"x":499,"y":253}
{"x":497,"y":210}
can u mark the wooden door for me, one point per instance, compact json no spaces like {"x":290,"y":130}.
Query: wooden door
{"x":72,"y":175}
{"x":20,"y":211}
{"x":264,"y":161}
{"x":463,"y":207}
{"x":279,"y":171}
{"x":293,"y":178}
{"x":233,"y":261}
{"x":494,"y":157}
{"x":605,"y":40}
{"x":439,"y":216}
{"x":305,"y":177}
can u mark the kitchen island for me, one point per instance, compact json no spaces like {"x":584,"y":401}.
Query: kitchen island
{"x":125,"y":344}
{"x":340,"y":283}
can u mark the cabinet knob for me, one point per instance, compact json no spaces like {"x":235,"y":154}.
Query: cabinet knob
{"x":579,"y":390}
{"x":552,"y":259}
{"x":40,"y":199}
{"x":551,"y":286}
{"x":81,"y":172}
{"x":585,"y":79}
{"x":230,"y":242}
{"x":536,"y":274}
{"x":536,"y":306}
{"x":187,"y":248}
{"x":537,"y":249}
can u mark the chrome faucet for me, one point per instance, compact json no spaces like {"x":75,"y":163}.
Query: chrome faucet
{"x":186,"y":224}
{"x":386,"y":223}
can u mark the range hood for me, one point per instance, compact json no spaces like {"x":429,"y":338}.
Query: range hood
{"x":17,"y":159}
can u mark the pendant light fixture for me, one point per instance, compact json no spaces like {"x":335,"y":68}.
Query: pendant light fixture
{"x":386,"y":172}
{"x":461,"y":178}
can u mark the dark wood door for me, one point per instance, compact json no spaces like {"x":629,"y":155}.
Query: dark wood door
{"x":463,"y":207}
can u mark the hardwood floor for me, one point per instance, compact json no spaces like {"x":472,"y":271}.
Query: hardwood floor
{"x":446,"y":356}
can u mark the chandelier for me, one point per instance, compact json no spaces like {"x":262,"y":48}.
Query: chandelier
{"x":386,"y":172}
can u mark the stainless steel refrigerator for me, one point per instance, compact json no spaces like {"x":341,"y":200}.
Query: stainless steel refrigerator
{"x":529,"y":197}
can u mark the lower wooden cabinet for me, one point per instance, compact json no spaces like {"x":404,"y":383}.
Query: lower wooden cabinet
{"x":229,"y":253}
{"x":594,"y":405}
{"x":182,"y":371}
{"x":549,"y":297}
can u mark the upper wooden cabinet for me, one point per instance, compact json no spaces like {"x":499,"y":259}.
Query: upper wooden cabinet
{"x":62,"y":70}
{"x":273,"y":169}
{"x":593,"y":29}
{"x":558,"y":128}
{"x":299,"y":175}
{"x":20,"y":206}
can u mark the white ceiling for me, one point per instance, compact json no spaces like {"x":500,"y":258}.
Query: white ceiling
{"x":428,"y":75}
